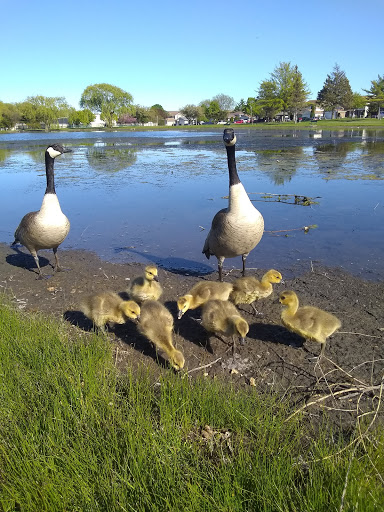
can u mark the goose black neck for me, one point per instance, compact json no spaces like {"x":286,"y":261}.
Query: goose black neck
{"x":49,"y":161}
{"x":233,"y":176}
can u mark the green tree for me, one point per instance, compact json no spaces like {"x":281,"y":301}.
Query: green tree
{"x":298,"y":94}
{"x":213,"y":112}
{"x":37,"y":110}
{"x":9,"y":115}
{"x":225,"y":102}
{"x":241,"y":106}
{"x":375,"y":95}
{"x":336,"y":91}
{"x":158,"y":114}
{"x":268,"y":100}
{"x":142,"y":114}
{"x":290,"y":88}
{"x":252,"y":108}
{"x":192,"y":113}
{"x":107,"y":100}
{"x":78,"y":117}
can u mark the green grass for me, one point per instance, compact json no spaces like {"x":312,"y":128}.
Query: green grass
{"x":343,"y":124}
{"x":77,"y":436}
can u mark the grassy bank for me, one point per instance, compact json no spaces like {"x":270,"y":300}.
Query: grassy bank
{"x":76,"y":436}
{"x":334,"y":124}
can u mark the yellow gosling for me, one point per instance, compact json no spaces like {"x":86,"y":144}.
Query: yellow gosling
{"x":156,"y":324}
{"x":223,"y":318}
{"x":201,"y":293}
{"x":145,"y":287}
{"x":109,"y":308}
{"x":307,"y":321}
{"x":247,"y":290}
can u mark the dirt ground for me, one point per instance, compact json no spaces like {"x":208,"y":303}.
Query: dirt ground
{"x":272,"y":356}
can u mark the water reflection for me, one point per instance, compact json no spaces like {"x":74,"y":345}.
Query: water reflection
{"x":153,"y":197}
{"x":103,"y":158}
{"x":280,"y":165}
{"x":4,"y":154}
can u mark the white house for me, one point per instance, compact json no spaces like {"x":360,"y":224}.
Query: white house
{"x":97,"y":122}
{"x":176,"y":118}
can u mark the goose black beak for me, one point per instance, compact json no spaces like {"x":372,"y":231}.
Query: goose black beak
{"x":228,"y":135}
{"x":67,"y":150}
{"x":179,"y":314}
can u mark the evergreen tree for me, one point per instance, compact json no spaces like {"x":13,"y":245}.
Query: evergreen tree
{"x":298,"y":95}
{"x":336,"y":91}
{"x":376,"y":95}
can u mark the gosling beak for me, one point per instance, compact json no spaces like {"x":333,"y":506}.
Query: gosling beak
{"x":179,"y":314}
{"x":156,"y":279}
{"x":282,"y":281}
{"x":67,"y":150}
{"x":242,"y":341}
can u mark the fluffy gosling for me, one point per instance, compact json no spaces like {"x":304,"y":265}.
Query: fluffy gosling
{"x":247,"y":290}
{"x":156,"y":324}
{"x":109,"y":308}
{"x":307,"y":321}
{"x":145,"y":287}
{"x":223,"y":318}
{"x":201,"y":293}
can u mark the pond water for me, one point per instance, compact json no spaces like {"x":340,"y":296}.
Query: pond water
{"x":151,"y":196}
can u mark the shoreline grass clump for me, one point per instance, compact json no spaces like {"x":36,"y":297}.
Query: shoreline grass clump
{"x":77,"y":435}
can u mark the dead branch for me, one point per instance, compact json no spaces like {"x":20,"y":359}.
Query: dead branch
{"x":204,"y":366}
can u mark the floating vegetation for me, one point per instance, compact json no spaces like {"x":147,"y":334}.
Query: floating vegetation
{"x":306,"y":230}
{"x":286,"y":198}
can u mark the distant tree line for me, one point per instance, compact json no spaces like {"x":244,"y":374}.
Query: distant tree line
{"x":284,"y":91}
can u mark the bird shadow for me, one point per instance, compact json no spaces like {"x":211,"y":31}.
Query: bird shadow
{"x":189,"y":327}
{"x":180,"y":266}
{"x":25,"y":260}
{"x":78,"y":319}
{"x":127,"y":333}
{"x":277,"y":334}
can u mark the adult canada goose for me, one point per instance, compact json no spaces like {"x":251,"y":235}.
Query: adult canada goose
{"x":156,"y":324}
{"x":246,"y":290}
{"x":307,"y":321}
{"x":145,"y":287}
{"x":201,"y":293}
{"x":222,"y":317}
{"x":235,"y":230}
{"x":108,"y":307}
{"x":47,"y":228}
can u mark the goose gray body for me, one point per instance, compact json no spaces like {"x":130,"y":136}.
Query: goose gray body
{"x":237,"y":229}
{"x":48,"y":227}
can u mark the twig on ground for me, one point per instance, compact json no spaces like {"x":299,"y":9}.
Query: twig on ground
{"x":360,"y":334}
{"x":204,"y":366}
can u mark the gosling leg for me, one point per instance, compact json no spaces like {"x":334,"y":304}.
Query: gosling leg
{"x":244,"y":257}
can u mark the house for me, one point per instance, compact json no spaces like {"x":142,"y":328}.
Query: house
{"x":63,"y":122}
{"x":176,"y":118}
{"x":97,"y":122}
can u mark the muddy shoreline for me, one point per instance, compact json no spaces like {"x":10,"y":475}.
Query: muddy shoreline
{"x":272,"y":356}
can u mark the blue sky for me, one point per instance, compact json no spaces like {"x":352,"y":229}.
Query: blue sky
{"x":176,"y":52}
